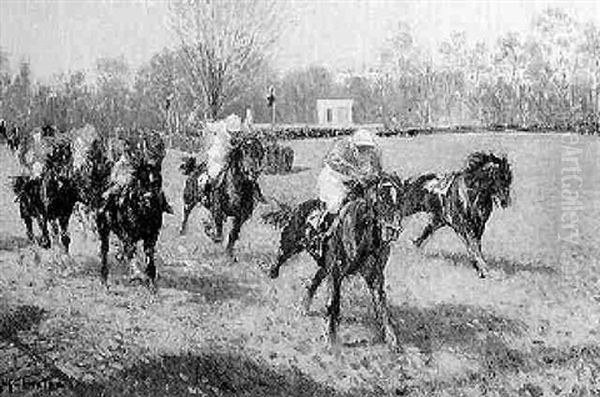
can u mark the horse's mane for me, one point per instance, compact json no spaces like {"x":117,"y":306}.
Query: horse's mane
{"x":239,"y":144}
{"x":477,"y":160}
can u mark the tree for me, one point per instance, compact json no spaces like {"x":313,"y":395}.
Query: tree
{"x":224,"y":45}
{"x":113,"y":95}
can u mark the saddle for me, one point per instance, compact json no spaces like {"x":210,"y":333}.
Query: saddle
{"x":440,"y":184}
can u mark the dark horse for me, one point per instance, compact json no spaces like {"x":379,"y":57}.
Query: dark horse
{"x":51,"y":197}
{"x":462,"y":200}
{"x":233,"y":193}
{"x":358,"y":242}
{"x":135,"y":213}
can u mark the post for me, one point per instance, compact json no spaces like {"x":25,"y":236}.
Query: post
{"x":271,"y":104}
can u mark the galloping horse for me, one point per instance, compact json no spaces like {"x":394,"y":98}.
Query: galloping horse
{"x":462,"y":200}
{"x":359,"y":242}
{"x":233,"y":193}
{"x":135,"y":213}
{"x":50,"y":197}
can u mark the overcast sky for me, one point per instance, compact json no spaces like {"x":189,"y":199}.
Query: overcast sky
{"x":60,"y":35}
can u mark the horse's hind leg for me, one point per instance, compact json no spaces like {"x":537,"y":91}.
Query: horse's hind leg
{"x":431,"y":227}
{"x":290,"y":244}
{"x":187,"y":209}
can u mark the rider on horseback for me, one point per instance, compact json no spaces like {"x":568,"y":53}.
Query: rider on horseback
{"x":220,"y":134}
{"x":352,"y":159}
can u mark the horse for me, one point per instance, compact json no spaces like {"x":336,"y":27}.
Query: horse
{"x":233,"y":193}
{"x":462,"y":200}
{"x":135,"y":213}
{"x":358,"y":242}
{"x":11,"y":134}
{"x":51,"y":197}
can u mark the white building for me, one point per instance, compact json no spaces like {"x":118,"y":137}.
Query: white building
{"x":334,"y":111}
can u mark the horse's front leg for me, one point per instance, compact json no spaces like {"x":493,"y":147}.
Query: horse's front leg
{"x":27,"y":219}
{"x":312,"y":288}
{"x":473,"y":245}
{"x":129,"y":251}
{"x":149,"y":249}
{"x":234,"y":234}
{"x":218,"y":217}
{"x":45,"y":237}
{"x":104,"y":233}
{"x":373,"y":274}
{"x":334,"y":306}
{"x":64,"y":232}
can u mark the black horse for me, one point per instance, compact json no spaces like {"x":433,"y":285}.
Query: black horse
{"x":358,"y":242}
{"x":49,"y":198}
{"x":462,"y":200}
{"x":233,"y":193}
{"x":135,"y":213}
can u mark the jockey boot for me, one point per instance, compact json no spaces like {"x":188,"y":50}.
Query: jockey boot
{"x":324,"y":231}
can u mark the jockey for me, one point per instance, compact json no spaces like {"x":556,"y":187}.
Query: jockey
{"x":353,"y":158}
{"x":121,"y":173}
{"x":220,"y":135}
{"x":35,"y":153}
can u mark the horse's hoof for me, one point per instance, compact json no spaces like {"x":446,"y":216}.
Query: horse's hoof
{"x":274,"y":272}
{"x":182,"y":232}
{"x":482,"y":274}
{"x":44,"y":243}
{"x":137,"y":276}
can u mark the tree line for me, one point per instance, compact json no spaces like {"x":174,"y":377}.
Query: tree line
{"x":547,"y":78}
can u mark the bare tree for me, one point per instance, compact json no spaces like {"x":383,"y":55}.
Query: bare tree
{"x":224,"y":44}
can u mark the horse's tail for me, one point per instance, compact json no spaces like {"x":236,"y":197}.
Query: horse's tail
{"x":190,"y":165}
{"x":286,"y":213}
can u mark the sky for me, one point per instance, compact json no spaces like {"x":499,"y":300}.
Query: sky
{"x":63,"y":35}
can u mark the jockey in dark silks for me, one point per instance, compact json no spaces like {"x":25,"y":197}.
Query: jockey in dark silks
{"x":352,"y":159}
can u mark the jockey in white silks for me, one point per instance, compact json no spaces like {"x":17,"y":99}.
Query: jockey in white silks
{"x":34,"y":154}
{"x":219,"y":134}
{"x":122,"y":172}
{"x":352,"y":158}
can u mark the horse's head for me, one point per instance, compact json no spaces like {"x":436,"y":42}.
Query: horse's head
{"x":383,"y":194}
{"x":388,"y":201}
{"x":248,"y":154}
{"x":494,"y":174}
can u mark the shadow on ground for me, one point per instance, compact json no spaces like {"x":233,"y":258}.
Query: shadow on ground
{"x":13,"y":243}
{"x":20,"y":318}
{"x":208,"y":374}
{"x":449,"y":325}
{"x":207,"y":287}
{"x":503,"y":264}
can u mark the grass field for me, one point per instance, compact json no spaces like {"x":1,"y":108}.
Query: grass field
{"x":217,"y":328}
